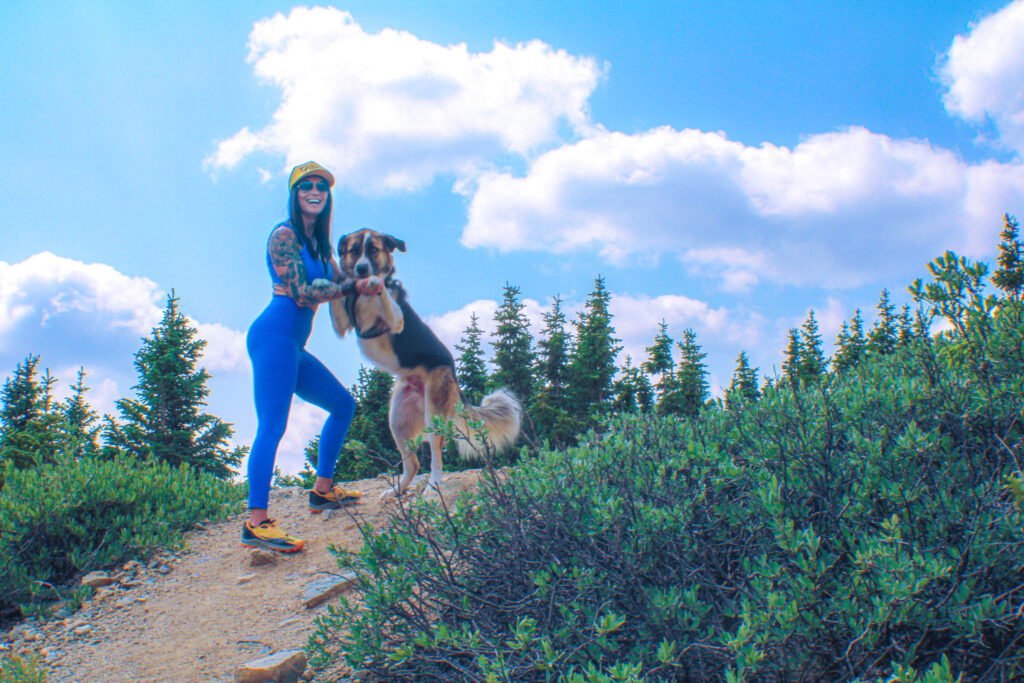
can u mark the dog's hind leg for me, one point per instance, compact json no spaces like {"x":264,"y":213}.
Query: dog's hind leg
{"x":442,"y":396}
{"x":405,"y":416}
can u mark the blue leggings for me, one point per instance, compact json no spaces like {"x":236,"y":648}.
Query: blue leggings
{"x":281,"y":366}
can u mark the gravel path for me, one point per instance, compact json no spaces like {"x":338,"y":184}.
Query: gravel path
{"x":198,"y":615}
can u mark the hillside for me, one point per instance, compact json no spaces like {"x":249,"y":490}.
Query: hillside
{"x":198,"y":615}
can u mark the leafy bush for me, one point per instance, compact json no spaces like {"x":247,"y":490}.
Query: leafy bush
{"x":864,"y":527}
{"x":14,"y":669}
{"x":75,"y":515}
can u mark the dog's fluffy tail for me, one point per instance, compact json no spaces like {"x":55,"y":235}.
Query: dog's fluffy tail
{"x":501,"y":415}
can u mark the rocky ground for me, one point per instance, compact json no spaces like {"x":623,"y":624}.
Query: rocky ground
{"x":214,"y":611}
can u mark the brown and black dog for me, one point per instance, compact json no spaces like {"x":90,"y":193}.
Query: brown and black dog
{"x":400,"y":343}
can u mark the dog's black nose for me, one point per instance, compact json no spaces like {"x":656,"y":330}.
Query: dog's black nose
{"x":362,"y":270}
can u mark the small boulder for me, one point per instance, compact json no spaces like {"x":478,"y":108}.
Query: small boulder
{"x":97,"y":579}
{"x":282,"y":667}
{"x":258,"y":558}
{"x":326,"y":587}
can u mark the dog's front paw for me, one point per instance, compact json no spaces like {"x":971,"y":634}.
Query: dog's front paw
{"x":321,"y":282}
{"x":369,"y":285}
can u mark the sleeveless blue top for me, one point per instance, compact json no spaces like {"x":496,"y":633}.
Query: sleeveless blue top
{"x":283,"y":315}
{"x":314,"y":267}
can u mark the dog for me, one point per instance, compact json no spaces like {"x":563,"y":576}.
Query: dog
{"x":396,"y":340}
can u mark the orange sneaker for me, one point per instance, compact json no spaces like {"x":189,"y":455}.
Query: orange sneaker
{"x":335,"y":498}
{"x":267,"y":535}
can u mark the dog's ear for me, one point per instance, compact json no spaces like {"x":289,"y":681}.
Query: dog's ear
{"x":341,"y":243}
{"x":392,"y":243}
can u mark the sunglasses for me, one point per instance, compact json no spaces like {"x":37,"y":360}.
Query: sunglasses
{"x":307,"y":185}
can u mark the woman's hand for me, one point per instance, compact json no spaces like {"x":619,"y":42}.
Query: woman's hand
{"x":370,"y":285}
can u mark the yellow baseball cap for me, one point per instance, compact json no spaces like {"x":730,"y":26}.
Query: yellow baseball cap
{"x":309,"y":168}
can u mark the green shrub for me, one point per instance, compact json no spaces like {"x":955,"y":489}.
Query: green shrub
{"x":867,"y":527}
{"x":76,"y":515}
{"x":14,"y":669}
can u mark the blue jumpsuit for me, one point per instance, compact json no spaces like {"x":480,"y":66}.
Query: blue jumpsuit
{"x":281,"y":366}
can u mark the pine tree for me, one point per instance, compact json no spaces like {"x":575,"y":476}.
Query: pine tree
{"x":513,"y":353}
{"x":644,"y":393}
{"x":660,"y":362}
{"x":812,"y":359}
{"x":165,"y":422}
{"x":791,"y":363}
{"x":553,"y":349}
{"x":472,"y":371}
{"x":850,"y":344}
{"x":906,"y":327}
{"x":28,"y":419}
{"x":369,"y":447}
{"x":592,"y":362}
{"x":626,"y":388}
{"x":743,"y":386}
{"x":659,"y":354}
{"x":883,"y":335}
{"x":922,"y":324}
{"x":549,"y":410}
{"x":1009,"y":277}
{"x":80,"y":424}
{"x":692,"y":376}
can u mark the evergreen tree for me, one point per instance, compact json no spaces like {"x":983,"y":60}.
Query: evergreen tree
{"x":513,"y":354}
{"x":626,"y":388}
{"x":553,"y":349}
{"x":692,"y":376}
{"x":922,"y":324}
{"x":369,"y":447}
{"x":644,"y":393}
{"x":850,"y":344}
{"x":660,"y":362}
{"x":883,"y":336}
{"x":812,"y":359}
{"x":549,"y":410}
{"x":472,"y":371}
{"x":743,"y":386}
{"x":28,"y":421}
{"x":905,"y":326}
{"x":80,"y":424}
{"x":659,"y":354}
{"x":791,"y":363}
{"x":842,"y":340}
{"x":592,"y":362}
{"x":166,"y":421}
{"x":1009,"y":276}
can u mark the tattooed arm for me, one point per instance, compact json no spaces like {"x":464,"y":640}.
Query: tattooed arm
{"x":286,"y":255}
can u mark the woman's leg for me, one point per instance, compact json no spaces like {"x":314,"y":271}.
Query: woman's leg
{"x":317,"y":385}
{"x":275,"y":366}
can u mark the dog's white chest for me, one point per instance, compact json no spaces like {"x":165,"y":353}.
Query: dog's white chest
{"x":380,"y":351}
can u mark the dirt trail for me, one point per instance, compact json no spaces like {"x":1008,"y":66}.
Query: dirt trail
{"x":196,"y":616}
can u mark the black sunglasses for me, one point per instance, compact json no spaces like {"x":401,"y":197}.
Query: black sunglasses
{"x":307,"y":185}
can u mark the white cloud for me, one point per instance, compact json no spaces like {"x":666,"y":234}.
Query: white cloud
{"x":89,"y":315}
{"x":304,"y":422}
{"x":984,"y":74}
{"x":839,"y":209}
{"x":225,"y":348}
{"x":389,"y":111}
{"x":449,"y":326}
{"x":46,"y":287}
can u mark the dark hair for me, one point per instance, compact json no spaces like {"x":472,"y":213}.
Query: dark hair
{"x":321,"y":227}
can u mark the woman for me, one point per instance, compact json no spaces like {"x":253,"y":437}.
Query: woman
{"x":298,"y":252}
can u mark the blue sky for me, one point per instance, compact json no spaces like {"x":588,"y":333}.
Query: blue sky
{"x":725,"y":166}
